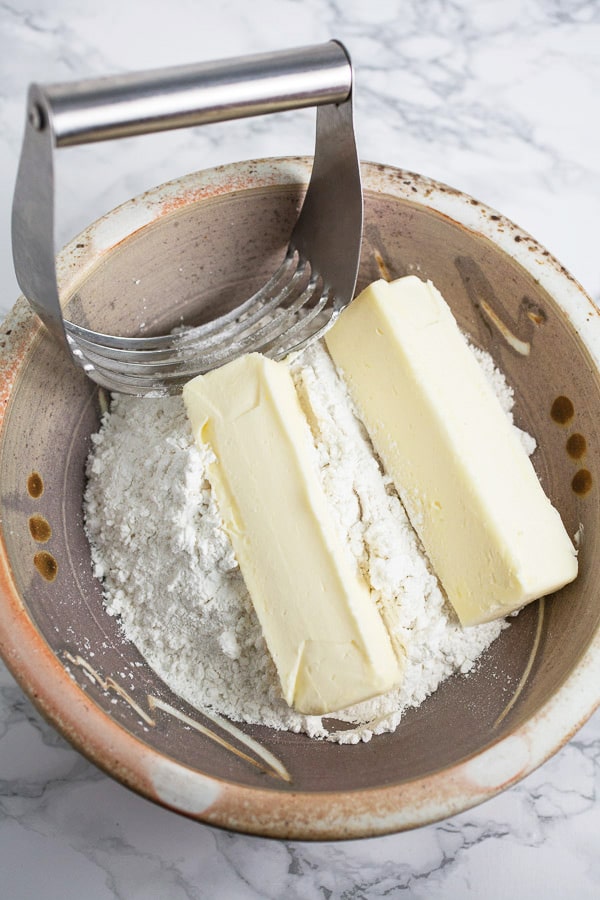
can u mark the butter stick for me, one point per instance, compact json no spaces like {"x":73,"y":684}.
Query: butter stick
{"x":322,"y":629}
{"x":492,"y":536}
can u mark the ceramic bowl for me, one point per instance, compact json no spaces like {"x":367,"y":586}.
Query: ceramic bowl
{"x":200,"y":243}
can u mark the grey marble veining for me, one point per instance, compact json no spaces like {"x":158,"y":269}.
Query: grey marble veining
{"x":65,"y":827}
{"x":500,"y":99}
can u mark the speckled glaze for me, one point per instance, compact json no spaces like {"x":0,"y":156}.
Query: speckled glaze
{"x":201,"y":243}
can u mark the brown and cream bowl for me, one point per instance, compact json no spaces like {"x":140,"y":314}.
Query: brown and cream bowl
{"x":204,"y":242}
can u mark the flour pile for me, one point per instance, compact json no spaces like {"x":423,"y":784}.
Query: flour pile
{"x":169,"y":572}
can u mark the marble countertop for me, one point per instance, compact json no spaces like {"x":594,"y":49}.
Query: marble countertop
{"x":499,"y":99}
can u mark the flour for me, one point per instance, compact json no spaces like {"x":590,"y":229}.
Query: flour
{"x":169,"y":572}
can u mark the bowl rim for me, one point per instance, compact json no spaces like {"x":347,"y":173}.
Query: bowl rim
{"x":261,"y":811}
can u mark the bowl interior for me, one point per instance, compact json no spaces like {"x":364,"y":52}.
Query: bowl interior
{"x":207,"y":255}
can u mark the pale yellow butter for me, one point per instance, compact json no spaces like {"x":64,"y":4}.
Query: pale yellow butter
{"x":493,"y":537}
{"x":322,"y":628}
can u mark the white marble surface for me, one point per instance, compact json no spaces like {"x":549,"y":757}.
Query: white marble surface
{"x":500,"y":99}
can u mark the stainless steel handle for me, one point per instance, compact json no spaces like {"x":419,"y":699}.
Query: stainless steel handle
{"x":142,"y":102}
{"x":81,"y":112}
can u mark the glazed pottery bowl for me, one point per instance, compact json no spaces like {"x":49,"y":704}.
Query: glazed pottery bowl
{"x":201,"y":244}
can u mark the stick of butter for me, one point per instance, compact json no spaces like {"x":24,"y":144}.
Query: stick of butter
{"x":492,"y":536}
{"x":322,"y":628}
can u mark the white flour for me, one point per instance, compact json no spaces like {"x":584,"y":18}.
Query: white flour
{"x":169,"y":572}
